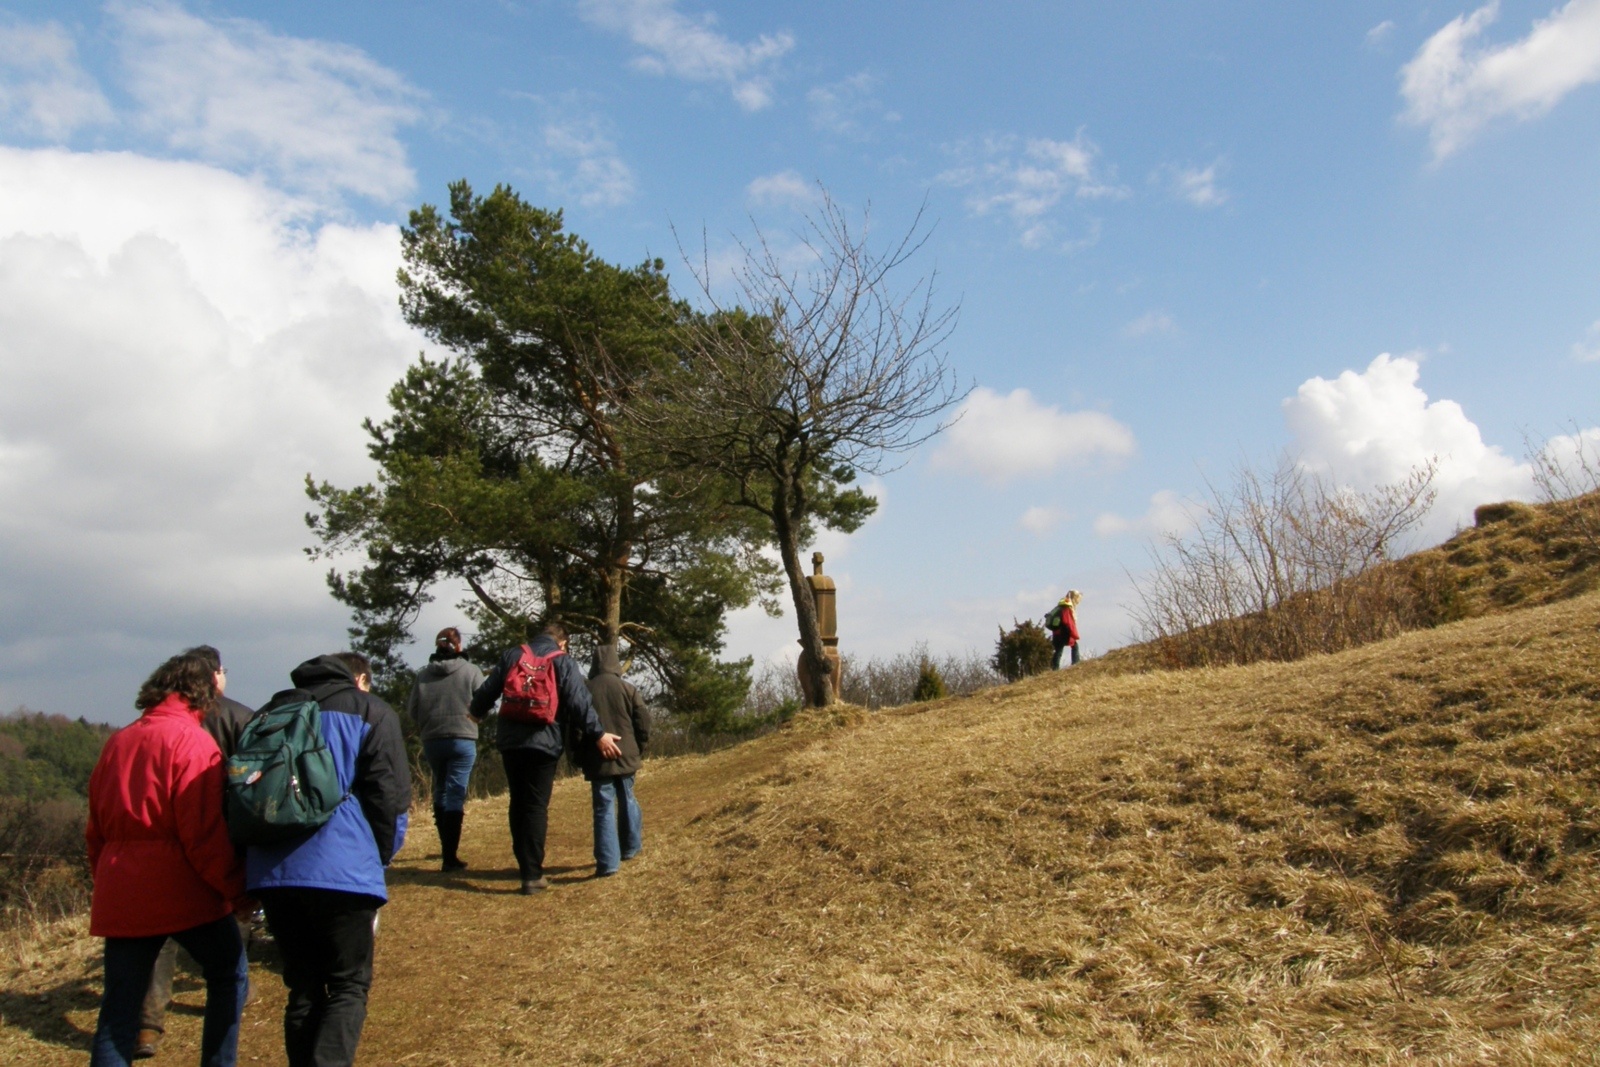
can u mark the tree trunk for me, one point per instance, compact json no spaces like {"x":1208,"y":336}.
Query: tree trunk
{"x":805,"y":605}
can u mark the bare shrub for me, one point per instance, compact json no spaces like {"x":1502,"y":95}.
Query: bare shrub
{"x":44,"y":872}
{"x":1283,"y":564}
{"x":1566,"y":473}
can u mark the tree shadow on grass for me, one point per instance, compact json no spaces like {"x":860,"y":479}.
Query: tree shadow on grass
{"x":46,"y":1015}
{"x":468,"y":881}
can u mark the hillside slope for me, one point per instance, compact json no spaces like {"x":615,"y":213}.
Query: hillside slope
{"x":1377,"y":856}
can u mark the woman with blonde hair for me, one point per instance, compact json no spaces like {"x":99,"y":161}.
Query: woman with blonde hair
{"x":1063,"y":625}
{"x":163,"y":865}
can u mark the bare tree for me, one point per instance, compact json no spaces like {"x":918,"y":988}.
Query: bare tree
{"x":813,"y":377}
{"x":1282,"y":564}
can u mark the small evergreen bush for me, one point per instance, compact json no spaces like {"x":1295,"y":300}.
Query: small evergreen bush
{"x":1022,"y":651}
{"x":930,"y":683}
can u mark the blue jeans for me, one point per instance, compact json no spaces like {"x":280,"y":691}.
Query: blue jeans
{"x":618,"y":828}
{"x":451,"y":760}
{"x":128,"y":962}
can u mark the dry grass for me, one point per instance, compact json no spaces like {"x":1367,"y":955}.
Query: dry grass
{"x":1379,"y":856}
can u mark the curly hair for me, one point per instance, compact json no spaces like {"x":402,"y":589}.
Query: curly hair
{"x":187,"y":675}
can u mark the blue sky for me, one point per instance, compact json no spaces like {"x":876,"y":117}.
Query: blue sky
{"x":1179,"y":235}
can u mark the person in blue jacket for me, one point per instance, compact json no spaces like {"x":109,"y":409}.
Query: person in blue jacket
{"x":322,"y":892}
{"x":531,"y":750}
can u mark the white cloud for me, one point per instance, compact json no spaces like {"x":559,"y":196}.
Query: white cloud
{"x":1588,"y":349}
{"x":1380,"y":34}
{"x":692,"y":48}
{"x":848,"y":108}
{"x":44,"y":92}
{"x":1040,"y":521}
{"x":1027,"y":181}
{"x":1151,"y":323}
{"x":1454,"y":87}
{"x":1168,"y":514}
{"x":318,"y":117}
{"x":785,"y":187}
{"x":597,"y":175}
{"x":179,"y":348}
{"x":1198,"y":185}
{"x":1374,"y":427}
{"x":1001,"y":437}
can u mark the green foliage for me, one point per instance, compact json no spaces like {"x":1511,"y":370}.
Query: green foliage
{"x":512,"y":466}
{"x":48,"y":757}
{"x":709,"y":694}
{"x":930,"y":683}
{"x":1022,"y":651}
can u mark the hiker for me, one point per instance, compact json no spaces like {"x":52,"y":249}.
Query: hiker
{"x":1062,"y":622}
{"x":618,"y":827}
{"x":322,"y":892}
{"x":224,"y":723}
{"x":439,"y":705}
{"x":163,"y":864}
{"x":541,"y":694}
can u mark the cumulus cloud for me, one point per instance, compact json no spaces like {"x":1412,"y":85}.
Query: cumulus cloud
{"x":1588,"y":349}
{"x":1028,"y":180}
{"x":180,"y":347}
{"x":785,"y":187}
{"x":1197,"y":185}
{"x":1151,"y":323}
{"x":1454,"y":85}
{"x":44,"y":92}
{"x":593,"y":171}
{"x":848,"y":107}
{"x":1374,"y":427}
{"x":1004,"y":436}
{"x":317,"y":117}
{"x":1040,"y":521}
{"x":1168,"y":513}
{"x":692,"y":48}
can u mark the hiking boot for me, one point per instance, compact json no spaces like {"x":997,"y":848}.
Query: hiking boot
{"x":530,"y":886}
{"x":145,"y":1045}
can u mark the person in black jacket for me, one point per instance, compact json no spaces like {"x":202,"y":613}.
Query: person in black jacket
{"x":322,"y":892}
{"x":618,"y":824}
{"x":224,"y":724}
{"x":531,"y":750}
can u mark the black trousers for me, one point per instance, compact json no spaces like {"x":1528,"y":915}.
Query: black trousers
{"x":531,"y":775}
{"x":325,"y":939}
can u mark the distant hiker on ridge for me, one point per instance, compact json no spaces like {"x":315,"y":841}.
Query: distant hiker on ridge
{"x":540,"y":692}
{"x":441,"y":705}
{"x":1062,"y":622}
{"x":618,"y":825}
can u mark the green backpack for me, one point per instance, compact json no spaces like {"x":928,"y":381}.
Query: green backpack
{"x":1052,"y":621}
{"x":282,"y":782}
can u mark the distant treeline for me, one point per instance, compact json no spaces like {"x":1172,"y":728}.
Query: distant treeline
{"x":45,"y":762}
{"x":48,"y":757}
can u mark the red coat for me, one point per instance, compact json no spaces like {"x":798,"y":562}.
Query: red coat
{"x":1069,"y":623}
{"x":158,"y":844}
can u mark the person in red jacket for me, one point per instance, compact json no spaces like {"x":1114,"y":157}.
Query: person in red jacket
{"x":163,"y":865}
{"x":1063,"y":624}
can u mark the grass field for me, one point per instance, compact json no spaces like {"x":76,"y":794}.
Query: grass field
{"x":1380,"y":856}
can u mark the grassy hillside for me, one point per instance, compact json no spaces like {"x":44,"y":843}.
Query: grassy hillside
{"x":1384,"y":855}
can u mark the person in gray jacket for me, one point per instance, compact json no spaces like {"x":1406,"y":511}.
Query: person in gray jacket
{"x":440,"y":706}
{"x":618,"y":825}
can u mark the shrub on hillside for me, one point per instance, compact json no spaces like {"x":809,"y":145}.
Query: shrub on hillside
{"x":1566,"y":472}
{"x":1283,"y":564}
{"x":930,"y":684}
{"x":1023,"y":650}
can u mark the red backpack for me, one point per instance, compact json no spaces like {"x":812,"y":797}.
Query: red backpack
{"x":530,"y":693}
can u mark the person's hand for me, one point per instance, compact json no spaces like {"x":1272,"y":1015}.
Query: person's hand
{"x":608,"y":746}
